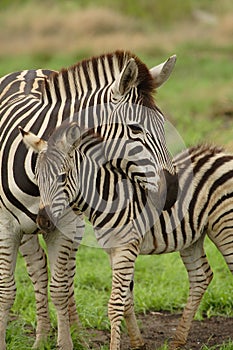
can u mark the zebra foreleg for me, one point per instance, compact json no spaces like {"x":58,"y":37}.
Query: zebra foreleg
{"x":200,"y":275}
{"x":136,"y":340}
{"x":36,"y":262}
{"x":122,"y":263}
{"x":73,"y":315}
{"x":59,"y":250}
{"x":10,"y":238}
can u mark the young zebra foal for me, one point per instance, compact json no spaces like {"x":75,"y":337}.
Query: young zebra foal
{"x":116,"y":194}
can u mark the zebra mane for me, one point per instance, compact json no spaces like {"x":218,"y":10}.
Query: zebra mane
{"x":206,"y":148}
{"x":198,"y":150}
{"x":100,"y":71}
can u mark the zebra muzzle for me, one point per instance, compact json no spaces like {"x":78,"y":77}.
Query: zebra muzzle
{"x":45,"y":220}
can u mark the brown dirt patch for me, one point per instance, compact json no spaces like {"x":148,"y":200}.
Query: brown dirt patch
{"x":157,"y":328}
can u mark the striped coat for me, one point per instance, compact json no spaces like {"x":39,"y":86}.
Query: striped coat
{"x":127,"y":228}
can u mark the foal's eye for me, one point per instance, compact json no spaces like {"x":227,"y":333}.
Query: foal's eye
{"x":61,"y":177}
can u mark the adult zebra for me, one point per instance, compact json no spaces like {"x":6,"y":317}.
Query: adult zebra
{"x":95,"y":91}
{"x":126,"y":221}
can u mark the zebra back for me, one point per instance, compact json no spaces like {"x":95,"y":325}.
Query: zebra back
{"x":204,"y":202}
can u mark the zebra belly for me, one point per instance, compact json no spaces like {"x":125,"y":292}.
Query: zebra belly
{"x":157,"y":242}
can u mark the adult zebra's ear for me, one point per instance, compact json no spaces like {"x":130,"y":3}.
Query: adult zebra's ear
{"x":33,"y":141}
{"x":163,"y":71}
{"x":127,"y":78}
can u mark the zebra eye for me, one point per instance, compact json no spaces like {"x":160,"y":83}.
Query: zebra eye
{"x":61,"y":177}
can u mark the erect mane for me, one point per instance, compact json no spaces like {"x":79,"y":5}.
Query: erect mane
{"x":112,"y":64}
{"x":206,"y":148}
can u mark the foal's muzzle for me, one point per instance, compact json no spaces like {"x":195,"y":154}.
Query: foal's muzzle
{"x":45,"y":220}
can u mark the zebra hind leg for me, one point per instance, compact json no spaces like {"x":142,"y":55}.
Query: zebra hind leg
{"x":36,"y":263}
{"x":200,"y":275}
{"x":136,"y":340}
{"x":122,"y":263}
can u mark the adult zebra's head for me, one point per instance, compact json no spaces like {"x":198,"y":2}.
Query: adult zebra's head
{"x":131,"y":100}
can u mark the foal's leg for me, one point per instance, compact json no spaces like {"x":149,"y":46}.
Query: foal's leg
{"x":200,"y":275}
{"x":62,"y":245}
{"x":136,"y":340}
{"x":73,"y":315}
{"x":122,"y":262}
{"x":59,"y":249}
{"x":36,"y":262}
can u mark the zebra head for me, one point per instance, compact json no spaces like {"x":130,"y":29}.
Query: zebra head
{"x":55,"y":163}
{"x":130,"y":94}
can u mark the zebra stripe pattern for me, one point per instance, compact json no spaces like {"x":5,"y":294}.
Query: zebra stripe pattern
{"x":115,"y":86}
{"x":203,"y":207}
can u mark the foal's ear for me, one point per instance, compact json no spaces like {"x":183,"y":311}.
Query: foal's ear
{"x":32,"y":141}
{"x":127,"y":78}
{"x":163,"y":71}
{"x":69,"y":138}
{"x":73,"y":134}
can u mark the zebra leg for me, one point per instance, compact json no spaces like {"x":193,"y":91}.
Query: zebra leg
{"x":80,"y":228}
{"x":73,"y":315}
{"x":10,"y":237}
{"x":59,"y":249}
{"x":136,"y":340}
{"x":223,"y":239}
{"x":200,"y":275}
{"x":122,"y":263}
{"x":36,"y":263}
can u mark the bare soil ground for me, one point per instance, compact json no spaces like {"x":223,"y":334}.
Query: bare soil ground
{"x":157,"y":328}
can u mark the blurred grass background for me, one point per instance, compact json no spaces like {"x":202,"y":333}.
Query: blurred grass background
{"x":197,"y":100}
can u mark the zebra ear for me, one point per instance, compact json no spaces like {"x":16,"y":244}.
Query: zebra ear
{"x":73,"y":133}
{"x":162,"y":72}
{"x":127,"y":78}
{"x":33,"y":141}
